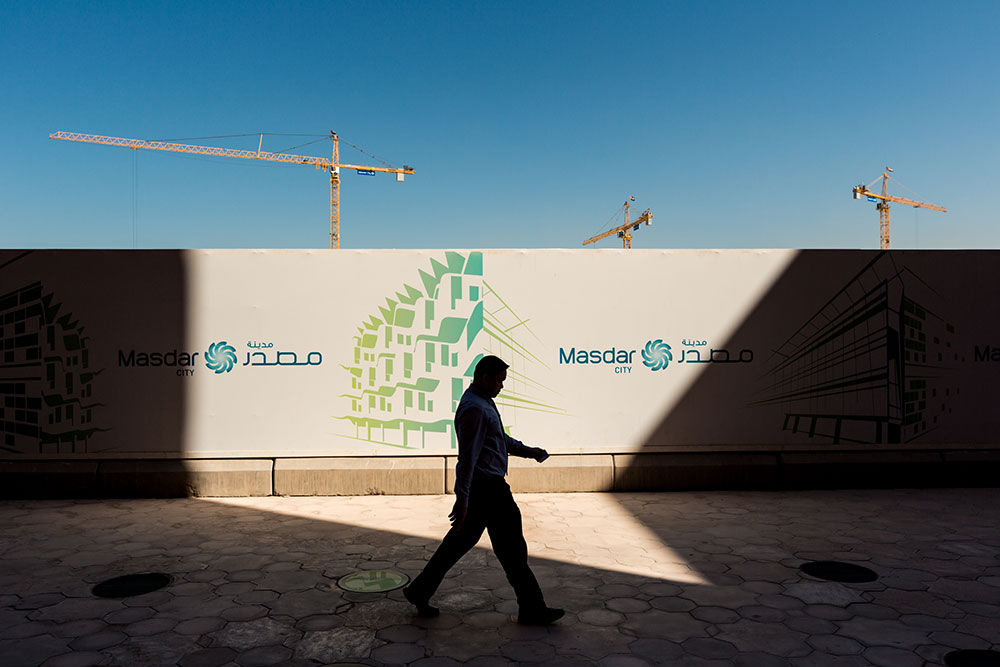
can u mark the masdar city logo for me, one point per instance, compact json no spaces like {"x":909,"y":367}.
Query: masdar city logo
{"x":221,"y":358}
{"x":657,"y":355}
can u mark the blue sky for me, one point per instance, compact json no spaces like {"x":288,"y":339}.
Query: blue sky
{"x":741,"y":125}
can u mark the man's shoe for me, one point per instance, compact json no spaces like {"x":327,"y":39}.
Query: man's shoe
{"x":543,"y":616}
{"x":423,"y":609}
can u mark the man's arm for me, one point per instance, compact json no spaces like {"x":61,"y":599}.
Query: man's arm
{"x":518,"y":448}
{"x":470,"y":429}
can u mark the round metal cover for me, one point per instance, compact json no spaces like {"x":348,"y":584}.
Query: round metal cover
{"x":832,"y":570}
{"x":969,"y":658}
{"x":373,"y":581}
{"x":131,"y":584}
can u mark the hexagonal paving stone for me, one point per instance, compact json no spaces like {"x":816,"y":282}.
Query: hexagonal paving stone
{"x":730,"y":597}
{"x":31,"y":651}
{"x":773,"y":638}
{"x":924,"y":622}
{"x":251,"y":634}
{"x":876,"y":632}
{"x":755,"y":659}
{"x":337,"y":645}
{"x":959,"y":640}
{"x":167,"y":647}
{"x":627,"y":605}
{"x":129,"y":615}
{"x":402,"y":633}
{"x":208,"y":657}
{"x":835,"y":644}
{"x":74,"y":629}
{"x":256,"y":597}
{"x":301,"y":604}
{"x":150,"y":626}
{"x":285,"y":582}
{"x":823,"y":593}
{"x":761,"y":613}
{"x":585,"y":641}
{"x":709,"y":648}
{"x":486,"y":619}
{"x":77,"y":659}
{"x":264,"y":656}
{"x":319,"y":622}
{"x":397,"y":653}
{"x":886,"y":656}
{"x":617,"y":591}
{"x":199,"y":626}
{"x":601,"y":617}
{"x":810,"y":625}
{"x":671,"y":604}
{"x":76,"y":608}
{"x":528,"y":651}
{"x":868,"y":610}
{"x":435,"y":662}
{"x":235,"y":588}
{"x":656,"y":650}
{"x":246,"y":612}
{"x":40,"y":600}
{"x":622,"y":661}
{"x":98,"y":641}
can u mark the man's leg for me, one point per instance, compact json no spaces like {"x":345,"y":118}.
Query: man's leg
{"x":503,"y":522}
{"x":454,"y":545}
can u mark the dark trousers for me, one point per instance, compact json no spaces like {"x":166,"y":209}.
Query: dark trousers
{"x":492,"y":508}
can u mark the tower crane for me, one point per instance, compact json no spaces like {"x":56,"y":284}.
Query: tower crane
{"x":883,"y":205}
{"x":333,"y":164}
{"x":625,"y":231}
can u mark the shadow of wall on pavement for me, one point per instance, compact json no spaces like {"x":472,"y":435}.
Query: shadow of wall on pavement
{"x":256,"y":573}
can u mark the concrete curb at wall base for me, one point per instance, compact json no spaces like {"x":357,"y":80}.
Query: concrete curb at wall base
{"x":564,"y":473}
{"x":972,"y":467}
{"x":178,"y":478}
{"x":48,"y":479}
{"x":839,"y":470}
{"x":667,"y":471}
{"x":359,"y":476}
{"x":689,"y":471}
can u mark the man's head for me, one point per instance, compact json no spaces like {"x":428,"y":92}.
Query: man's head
{"x":489,"y":375}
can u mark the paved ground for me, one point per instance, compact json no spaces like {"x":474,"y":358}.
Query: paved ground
{"x":664,"y":578}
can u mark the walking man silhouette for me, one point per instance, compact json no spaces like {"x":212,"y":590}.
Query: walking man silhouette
{"x":483,"y":501}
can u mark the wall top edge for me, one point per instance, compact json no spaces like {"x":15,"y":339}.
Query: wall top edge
{"x":592,"y":251}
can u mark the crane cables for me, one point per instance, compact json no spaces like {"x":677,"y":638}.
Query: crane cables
{"x":319,"y":138}
{"x":609,"y":222}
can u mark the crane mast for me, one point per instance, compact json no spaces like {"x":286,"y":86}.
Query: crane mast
{"x":333,"y":164}
{"x":882,"y":204}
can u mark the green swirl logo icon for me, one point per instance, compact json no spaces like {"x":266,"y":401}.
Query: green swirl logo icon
{"x":221,"y":357}
{"x":656,"y":355}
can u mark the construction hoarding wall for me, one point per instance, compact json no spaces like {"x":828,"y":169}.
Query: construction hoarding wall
{"x":274,"y":353}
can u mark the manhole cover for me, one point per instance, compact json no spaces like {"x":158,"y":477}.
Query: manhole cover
{"x":373,"y":581}
{"x":832,"y":570}
{"x":131,"y":584}
{"x":970,"y":658}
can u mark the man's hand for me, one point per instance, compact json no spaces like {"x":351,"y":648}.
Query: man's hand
{"x":457,"y":516}
{"x":539,"y":454}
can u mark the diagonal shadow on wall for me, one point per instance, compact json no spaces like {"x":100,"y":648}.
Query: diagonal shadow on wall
{"x":56,"y":402}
